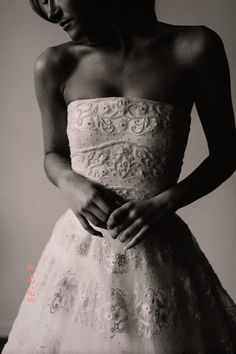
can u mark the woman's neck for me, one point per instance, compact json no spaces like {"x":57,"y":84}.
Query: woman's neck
{"x":122,"y":27}
{"x":132,"y":26}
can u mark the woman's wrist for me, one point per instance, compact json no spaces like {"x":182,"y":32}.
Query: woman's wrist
{"x":174,"y":197}
{"x":169,"y":199}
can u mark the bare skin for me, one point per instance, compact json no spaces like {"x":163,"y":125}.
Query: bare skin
{"x":181,"y":65}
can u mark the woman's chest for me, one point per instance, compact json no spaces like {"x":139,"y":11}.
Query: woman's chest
{"x":141,"y":74}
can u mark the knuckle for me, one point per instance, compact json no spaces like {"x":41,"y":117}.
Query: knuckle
{"x":131,"y":204}
{"x":113,"y":218}
{"x":134,"y":213}
{"x":141,"y":220}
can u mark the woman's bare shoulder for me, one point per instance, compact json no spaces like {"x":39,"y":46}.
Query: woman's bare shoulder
{"x":56,"y":61}
{"x":191,"y":44}
{"x":199,"y":33}
{"x":194,"y":44}
{"x":49,"y":59}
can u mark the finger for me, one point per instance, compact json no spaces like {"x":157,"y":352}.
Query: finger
{"x":98,"y":212}
{"x":106,"y":207}
{"x":120,"y":228}
{"x":138,"y":238}
{"x":111,"y":201}
{"x":118,"y":213}
{"x":105,"y":204}
{"x":133,"y":216}
{"x":87,"y":226}
{"x":93,"y":218}
{"x":132,"y":230}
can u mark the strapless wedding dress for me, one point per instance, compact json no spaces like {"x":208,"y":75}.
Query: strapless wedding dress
{"x":89,"y":295}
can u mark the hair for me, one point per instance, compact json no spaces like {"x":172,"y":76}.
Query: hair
{"x":38,"y":10}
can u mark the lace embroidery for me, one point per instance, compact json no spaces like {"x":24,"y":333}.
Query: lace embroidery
{"x":64,"y":297}
{"x":117,"y":262}
{"x":83,"y":248}
{"x":112,"y":261}
{"x":119,"y":159}
{"x":126,"y":144}
{"x":115,"y":314}
{"x":132,"y":193}
{"x":114,"y":311}
{"x":120,"y":115}
{"x":155,"y":311}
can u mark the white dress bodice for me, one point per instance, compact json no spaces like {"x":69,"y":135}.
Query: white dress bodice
{"x":133,"y":146}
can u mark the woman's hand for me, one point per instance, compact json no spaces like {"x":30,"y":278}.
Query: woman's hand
{"x":89,"y":201}
{"x":134,"y":220}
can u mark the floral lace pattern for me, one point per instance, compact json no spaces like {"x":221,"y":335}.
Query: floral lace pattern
{"x":110,"y":312}
{"x":65,"y":295}
{"x":120,"y":115}
{"x":117,"y":262}
{"x":155,"y":311}
{"x":118,"y":158}
{"x":126,"y":144}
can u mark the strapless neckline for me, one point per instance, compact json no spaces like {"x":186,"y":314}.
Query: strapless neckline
{"x":132,"y":99}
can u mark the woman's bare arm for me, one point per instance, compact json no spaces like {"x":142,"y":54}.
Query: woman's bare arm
{"x":89,"y":200}
{"x":214,"y":105}
{"x":48,"y":84}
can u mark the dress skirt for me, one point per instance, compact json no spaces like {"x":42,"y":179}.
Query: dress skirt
{"x":89,"y":295}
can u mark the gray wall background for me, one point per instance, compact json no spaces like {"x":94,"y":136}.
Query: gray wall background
{"x":30,"y":204}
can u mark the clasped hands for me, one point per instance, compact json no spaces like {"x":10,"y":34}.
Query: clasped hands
{"x":129,"y":221}
{"x":135,"y":219}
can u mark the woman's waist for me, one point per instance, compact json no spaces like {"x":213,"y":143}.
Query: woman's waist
{"x":132,"y":188}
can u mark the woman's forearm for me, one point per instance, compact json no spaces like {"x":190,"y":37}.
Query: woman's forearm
{"x":57,"y":167}
{"x":212,"y":172}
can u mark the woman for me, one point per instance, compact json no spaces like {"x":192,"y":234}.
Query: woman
{"x":116,"y":103}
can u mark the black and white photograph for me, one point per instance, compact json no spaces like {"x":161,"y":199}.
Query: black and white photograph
{"x":117,"y":183}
